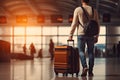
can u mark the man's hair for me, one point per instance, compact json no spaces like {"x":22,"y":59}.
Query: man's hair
{"x":86,"y":1}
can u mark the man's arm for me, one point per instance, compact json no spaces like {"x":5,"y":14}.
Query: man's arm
{"x":97,"y":19}
{"x":74,"y":24}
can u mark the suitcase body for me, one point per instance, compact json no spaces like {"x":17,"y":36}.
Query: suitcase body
{"x":66,"y":60}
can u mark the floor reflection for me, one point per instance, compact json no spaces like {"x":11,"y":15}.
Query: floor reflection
{"x":73,"y":78}
{"x":5,"y":73}
{"x":42,"y":69}
{"x":36,"y":69}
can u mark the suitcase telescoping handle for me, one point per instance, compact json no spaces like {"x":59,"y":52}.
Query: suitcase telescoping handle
{"x":70,"y":41}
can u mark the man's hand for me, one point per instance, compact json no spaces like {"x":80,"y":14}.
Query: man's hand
{"x":95,"y":39}
{"x":70,"y":38}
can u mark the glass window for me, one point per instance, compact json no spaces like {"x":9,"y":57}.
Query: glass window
{"x":65,"y":30}
{"x":63,"y":40}
{"x":49,"y":30}
{"x":33,"y":31}
{"x":103,"y":30}
{"x":19,"y":31}
{"x":8,"y":39}
{"x":6,"y":31}
{"x":19,"y":40}
{"x":18,"y":48}
{"x":102,"y":37}
{"x":18,"y":44}
{"x":59,"y":34}
{"x":46,"y":40}
{"x":55,"y":39}
{"x":35,"y":40}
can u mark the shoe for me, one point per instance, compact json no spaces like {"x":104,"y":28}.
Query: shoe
{"x":84,"y":72}
{"x":91,"y":74}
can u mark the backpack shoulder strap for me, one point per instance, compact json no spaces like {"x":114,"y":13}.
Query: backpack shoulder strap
{"x":86,"y":14}
{"x":92,"y":12}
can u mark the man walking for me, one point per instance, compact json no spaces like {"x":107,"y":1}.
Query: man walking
{"x":79,"y":18}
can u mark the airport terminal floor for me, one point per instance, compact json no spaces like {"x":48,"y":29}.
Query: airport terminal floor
{"x":43,"y":69}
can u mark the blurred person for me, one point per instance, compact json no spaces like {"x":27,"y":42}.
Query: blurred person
{"x":24,"y":48}
{"x":51,"y":49}
{"x":118,"y":49}
{"x":40,"y":53}
{"x":32,"y":50}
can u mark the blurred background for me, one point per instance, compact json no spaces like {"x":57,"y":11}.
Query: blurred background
{"x":38,"y":21}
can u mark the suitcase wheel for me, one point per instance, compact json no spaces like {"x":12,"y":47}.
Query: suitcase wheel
{"x":72,"y":74}
{"x":76,"y":74}
{"x":65,"y":74}
{"x":56,"y":73}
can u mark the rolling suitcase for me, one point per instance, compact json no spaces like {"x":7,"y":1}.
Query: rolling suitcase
{"x":66,"y":59}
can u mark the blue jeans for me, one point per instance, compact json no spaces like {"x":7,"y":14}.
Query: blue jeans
{"x":89,"y":41}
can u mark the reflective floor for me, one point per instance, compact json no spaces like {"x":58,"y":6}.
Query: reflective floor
{"x":42,"y":69}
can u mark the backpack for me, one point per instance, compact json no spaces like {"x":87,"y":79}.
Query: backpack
{"x":91,"y":28}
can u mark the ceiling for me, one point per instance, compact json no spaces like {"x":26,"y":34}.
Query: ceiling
{"x":48,"y":7}
{"x":36,"y":7}
{"x":12,"y":8}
